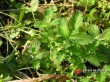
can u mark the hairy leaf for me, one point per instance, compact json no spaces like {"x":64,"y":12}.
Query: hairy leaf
{"x":106,"y":68}
{"x":81,"y":38}
{"x":36,"y":64}
{"x":101,"y":76}
{"x":60,"y":56}
{"x":76,"y":21}
{"x":63,"y":28}
{"x":91,"y":15}
{"x":93,"y":60}
{"x":55,"y":22}
{"x":48,"y":14}
{"x":41,"y":24}
{"x":93,"y":30}
{"x":105,"y":35}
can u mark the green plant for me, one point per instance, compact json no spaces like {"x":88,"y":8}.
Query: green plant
{"x":55,"y":44}
{"x":69,"y":43}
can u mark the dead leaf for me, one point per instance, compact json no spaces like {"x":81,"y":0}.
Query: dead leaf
{"x":58,"y":78}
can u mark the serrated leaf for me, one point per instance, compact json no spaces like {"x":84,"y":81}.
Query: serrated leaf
{"x":105,"y":35}
{"x":34,"y":5}
{"x":36,"y":64}
{"x":103,"y":58}
{"x":55,"y":22}
{"x":101,"y":76}
{"x":81,"y":38}
{"x":60,"y":57}
{"x":93,"y":30}
{"x":91,"y":14}
{"x":41,"y":24}
{"x":76,"y":50}
{"x":106,"y":68}
{"x":76,"y":21}
{"x":48,"y":14}
{"x":93,"y":60}
{"x":39,"y":56}
{"x":63,"y":28}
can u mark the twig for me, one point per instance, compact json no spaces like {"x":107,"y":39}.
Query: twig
{"x":66,"y":5}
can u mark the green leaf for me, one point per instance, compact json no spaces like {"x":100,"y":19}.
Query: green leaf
{"x":91,"y":14}
{"x":14,"y":33}
{"x":76,"y":21}
{"x":37,"y":60}
{"x":36,"y":64}
{"x":76,"y":50}
{"x":85,"y":79}
{"x":41,"y":24}
{"x":34,"y":5}
{"x":60,"y":57}
{"x":91,"y":2}
{"x":5,"y":71}
{"x":81,"y":38}
{"x":21,"y":15}
{"x":105,"y":35}
{"x":55,"y":22}
{"x":103,"y":57}
{"x":101,"y":76}
{"x":93,"y":60}
{"x":18,"y":5}
{"x":39,"y":56}
{"x":93,"y":30}
{"x":1,"y":42}
{"x":34,"y":46}
{"x":48,"y":14}
{"x":87,"y":2}
{"x":63,"y":28}
{"x":106,"y":68}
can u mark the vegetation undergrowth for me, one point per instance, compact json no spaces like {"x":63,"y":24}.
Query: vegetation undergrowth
{"x":64,"y":37}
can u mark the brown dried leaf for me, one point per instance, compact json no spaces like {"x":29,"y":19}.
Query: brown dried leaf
{"x":43,"y":77}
